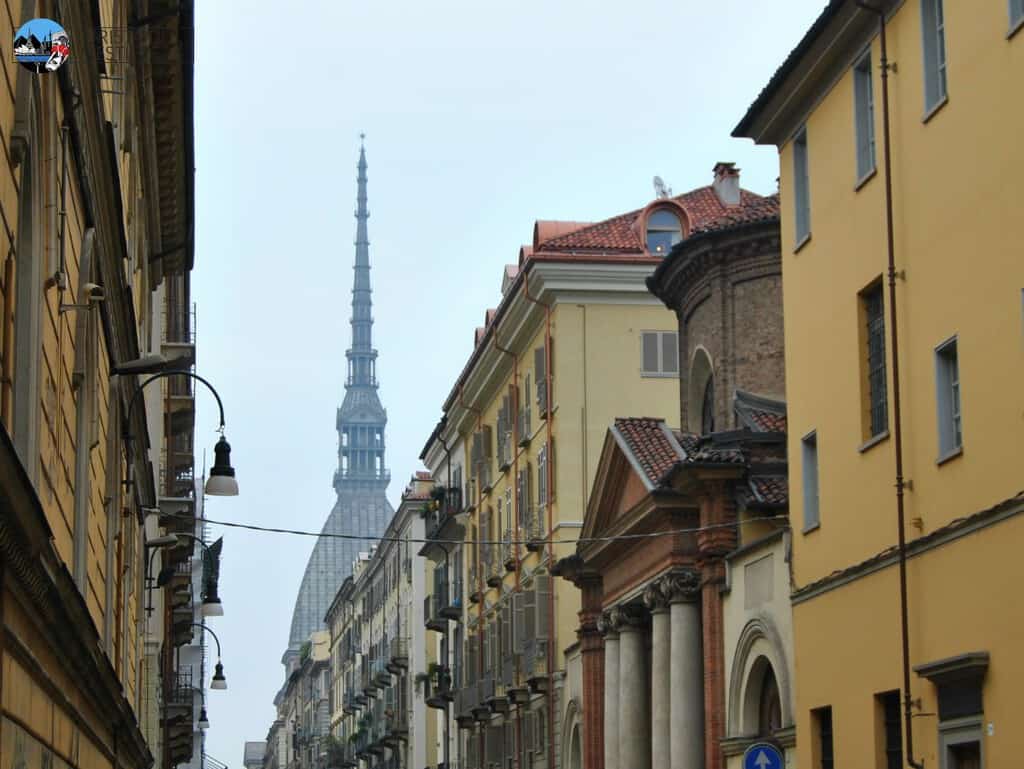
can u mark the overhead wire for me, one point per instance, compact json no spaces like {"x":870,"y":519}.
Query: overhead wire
{"x":438,"y":541}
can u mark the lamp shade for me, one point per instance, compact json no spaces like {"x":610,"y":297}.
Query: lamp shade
{"x":204,"y":722}
{"x":218,"y":682}
{"x":221,"y":482}
{"x":212,"y":607}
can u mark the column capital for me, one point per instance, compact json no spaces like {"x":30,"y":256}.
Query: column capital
{"x":619,"y":619}
{"x":681,"y":586}
{"x":655,"y":597}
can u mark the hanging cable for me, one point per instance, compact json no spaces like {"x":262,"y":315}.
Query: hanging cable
{"x":580,"y":540}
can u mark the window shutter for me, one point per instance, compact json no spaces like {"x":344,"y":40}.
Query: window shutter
{"x":542,"y":587}
{"x":540,"y":375}
{"x":518,"y":622}
{"x":649,"y":352}
{"x":525,"y":407}
{"x":542,"y":477}
{"x":670,"y":353}
{"x":529,"y":614}
{"x":552,"y":470}
{"x":528,"y":492}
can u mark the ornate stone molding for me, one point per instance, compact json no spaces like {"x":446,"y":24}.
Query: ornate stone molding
{"x":655,"y":597}
{"x":681,"y":586}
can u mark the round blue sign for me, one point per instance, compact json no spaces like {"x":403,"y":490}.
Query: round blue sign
{"x":762,"y":755}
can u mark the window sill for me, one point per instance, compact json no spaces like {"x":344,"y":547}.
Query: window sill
{"x":929,"y":114}
{"x":873,"y":441}
{"x":1015,"y":27}
{"x":812,"y":527}
{"x":951,"y":454}
{"x":801,"y":243}
{"x":659,"y":375}
{"x":865,"y":179}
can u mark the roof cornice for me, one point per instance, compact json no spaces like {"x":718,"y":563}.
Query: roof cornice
{"x":830,"y":46}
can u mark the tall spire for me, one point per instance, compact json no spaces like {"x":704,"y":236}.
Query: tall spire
{"x":361,"y":418}
{"x":361,"y":355}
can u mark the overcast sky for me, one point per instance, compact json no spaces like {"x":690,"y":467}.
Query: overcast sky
{"x":480,"y":117}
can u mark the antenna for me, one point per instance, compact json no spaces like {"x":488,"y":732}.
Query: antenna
{"x":660,"y":189}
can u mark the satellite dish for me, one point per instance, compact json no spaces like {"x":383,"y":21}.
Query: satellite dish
{"x":660,"y":189}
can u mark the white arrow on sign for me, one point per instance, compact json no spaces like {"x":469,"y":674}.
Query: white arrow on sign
{"x":762,"y":760}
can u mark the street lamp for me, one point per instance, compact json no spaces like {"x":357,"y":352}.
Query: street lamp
{"x":152,"y":545}
{"x":218,"y":681}
{"x":221,"y":482}
{"x":212,"y":607}
{"x":204,"y":722}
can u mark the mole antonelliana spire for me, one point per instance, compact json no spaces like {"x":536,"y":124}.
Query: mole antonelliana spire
{"x":361,"y":479}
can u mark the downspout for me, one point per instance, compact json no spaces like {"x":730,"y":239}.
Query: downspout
{"x":7,"y":376}
{"x":482,"y":635}
{"x":448,"y":573}
{"x":548,"y":376}
{"x":517,"y":503}
{"x":897,"y":421}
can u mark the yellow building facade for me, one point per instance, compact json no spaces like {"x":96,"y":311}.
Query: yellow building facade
{"x":90,"y":280}
{"x":576,"y":340}
{"x":954,"y":155}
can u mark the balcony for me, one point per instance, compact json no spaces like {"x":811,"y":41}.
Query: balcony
{"x":475,"y":593}
{"x":535,"y":664}
{"x":351,"y":704}
{"x":508,"y":551}
{"x":440,"y":517}
{"x":493,"y":569}
{"x":484,"y":693}
{"x":176,"y":718}
{"x":533,"y":529}
{"x":465,"y":703}
{"x":438,"y":688}
{"x":399,"y":655}
{"x":432,"y":614}
{"x":380,"y":675}
{"x":452,"y":608}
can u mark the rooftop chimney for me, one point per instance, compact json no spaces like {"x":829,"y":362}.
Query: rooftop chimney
{"x":727,"y":183}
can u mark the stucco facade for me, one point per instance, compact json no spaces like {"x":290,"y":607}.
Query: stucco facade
{"x":948,"y":314}
{"x":97,"y":213}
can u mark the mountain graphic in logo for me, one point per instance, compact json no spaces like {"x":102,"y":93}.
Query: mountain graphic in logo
{"x":41,"y":45}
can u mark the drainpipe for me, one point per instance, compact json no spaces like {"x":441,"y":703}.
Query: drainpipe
{"x":482,"y":635}
{"x":551,"y":546}
{"x":448,"y":574}
{"x":514,"y":514}
{"x":897,"y":421}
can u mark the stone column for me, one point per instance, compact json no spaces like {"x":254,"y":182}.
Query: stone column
{"x":634,"y":734}
{"x":611,"y":691}
{"x":686,"y":671}
{"x":661,"y":717}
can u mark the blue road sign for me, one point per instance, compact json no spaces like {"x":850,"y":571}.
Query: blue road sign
{"x":762,"y":755}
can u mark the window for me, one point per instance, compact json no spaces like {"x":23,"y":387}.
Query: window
{"x":864,"y":116}
{"x":947,"y":396}
{"x":1016,"y":13}
{"x":822,"y":719}
{"x":809,"y":468}
{"x":769,"y":719}
{"x":891,"y":742}
{"x":801,"y":188}
{"x":707,"y":407}
{"x":873,"y":320}
{"x":542,"y":476}
{"x":663,"y":232}
{"x":659,"y":353}
{"x":933,"y":29}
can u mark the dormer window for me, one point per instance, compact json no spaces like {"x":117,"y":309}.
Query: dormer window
{"x":664,"y":230}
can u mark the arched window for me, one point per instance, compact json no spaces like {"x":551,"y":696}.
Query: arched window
{"x":769,"y":713}
{"x":663,"y":231}
{"x":707,"y":407}
{"x":700,"y":393}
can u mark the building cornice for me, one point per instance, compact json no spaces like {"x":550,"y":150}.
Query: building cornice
{"x":831,"y":45}
{"x":962,"y":527}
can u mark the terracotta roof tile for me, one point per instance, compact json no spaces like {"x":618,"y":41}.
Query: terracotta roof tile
{"x":770,"y":489}
{"x":702,"y":205}
{"x":759,"y":413}
{"x":649,"y":444}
